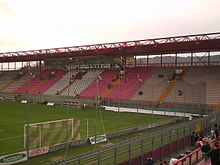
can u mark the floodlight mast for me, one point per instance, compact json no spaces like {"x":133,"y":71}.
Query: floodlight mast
{"x":30,"y":74}
{"x":139,"y":93}
{"x":67,"y":112}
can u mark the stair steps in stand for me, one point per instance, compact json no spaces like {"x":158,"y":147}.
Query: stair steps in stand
{"x":170,"y":86}
{"x":114,"y":84}
{"x":67,"y":87}
{"x":7,"y":85}
{"x":41,"y":83}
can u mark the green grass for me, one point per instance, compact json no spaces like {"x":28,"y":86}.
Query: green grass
{"x":120,"y":157}
{"x":13,"y":116}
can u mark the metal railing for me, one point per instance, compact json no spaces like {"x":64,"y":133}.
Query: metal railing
{"x":198,"y":63}
{"x":192,"y":157}
{"x":157,"y":145}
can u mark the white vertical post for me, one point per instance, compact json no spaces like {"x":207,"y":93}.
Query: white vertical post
{"x":79,"y":127}
{"x":72,"y":129}
{"x":87,"y":127}
{"x":40,"y":136}
{"x":25,"y":136}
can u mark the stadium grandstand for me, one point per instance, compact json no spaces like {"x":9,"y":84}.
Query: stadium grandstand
{"x":175,"y":78}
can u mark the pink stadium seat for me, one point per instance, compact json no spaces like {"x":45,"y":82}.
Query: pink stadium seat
{"x":98,"y":88}
{"x":135,"y":77}
{"x":29,"y":85}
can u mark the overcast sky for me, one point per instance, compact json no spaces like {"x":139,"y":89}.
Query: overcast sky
{"x":36,"y":24}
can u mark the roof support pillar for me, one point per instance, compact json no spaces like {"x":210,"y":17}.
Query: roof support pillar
{"x":40,"y":68}
{"x":176,"y":60}
{"x":147,"y":60}
{"x":191,"y":58}
{"x":135,"y":61}
{"x":161,"y":60}
{"x":209,"y":58}
{"x":125,"y":64}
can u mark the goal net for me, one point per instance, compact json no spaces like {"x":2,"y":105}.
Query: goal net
{"x":51,"y":133}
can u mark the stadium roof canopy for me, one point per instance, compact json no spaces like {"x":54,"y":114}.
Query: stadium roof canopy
{"x":158,"y":46}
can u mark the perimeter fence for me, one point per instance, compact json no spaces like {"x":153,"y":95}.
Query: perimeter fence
{"x":196,"y":108}
{"x":157,"y":145}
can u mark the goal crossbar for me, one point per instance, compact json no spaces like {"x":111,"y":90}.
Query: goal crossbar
{"x":48,"y":133}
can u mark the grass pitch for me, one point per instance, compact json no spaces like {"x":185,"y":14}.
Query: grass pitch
{"x":13,"y":116}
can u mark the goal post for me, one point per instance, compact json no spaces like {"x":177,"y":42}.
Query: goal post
{"x":51,"y":133}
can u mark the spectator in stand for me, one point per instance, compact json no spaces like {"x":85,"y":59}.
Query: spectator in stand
{"x":205,"y":149}
{"x":197,"y":137}
{"x":149,"y":161}
{"x":219,"y":130}
{"x":173,"y":160}
{"x":212,"y":134}
{"x":193,"y":139}
{"x":214,"y":154}
{"x":165,"y":162}
{"x":201,"y":136}
{"x":216,"y":131}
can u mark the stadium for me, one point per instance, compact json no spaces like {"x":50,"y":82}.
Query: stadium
{"x":110,"y":103}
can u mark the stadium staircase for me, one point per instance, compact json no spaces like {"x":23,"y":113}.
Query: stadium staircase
{"x":37,"y":86}
{"x":134,"y":79}
{"x":66,"y":87}
{"x":6,"y":80}
{"x":154,"y":85}
{"x":7,"y":85}
{"x":61,"y":84}
{"x":113,"y":85}
{"x":12,"y":81}
{"x":66,"y":90}
{"x":19,"y":80}
{"x":167,"y":90}
{"x":204,"y":86}
{"x":82,"y":83}
{"x":98,"y":88}
{"x":170,"y":86}
{"x":51,"y":82}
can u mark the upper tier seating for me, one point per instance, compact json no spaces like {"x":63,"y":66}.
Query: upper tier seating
{"x":134,"y":78}
{"x":80,"y":85}
{"x":12,"y":80}
{"x":20,"y":79}
{"x":210,"y":76}
{"x":36,"y":86}
{"x":200,"y":85}
{"x":97,"y":87}
{"x":62,"y":83}
{"x":153,"y":87}
{"x":6,"y":78}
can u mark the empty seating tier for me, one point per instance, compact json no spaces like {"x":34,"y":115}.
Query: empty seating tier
{"x":38,"y":85}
